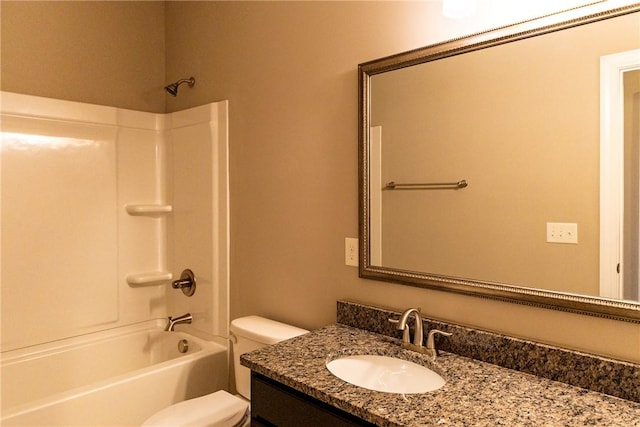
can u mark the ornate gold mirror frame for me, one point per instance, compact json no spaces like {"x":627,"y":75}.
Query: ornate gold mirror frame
{"x":624,"y":310}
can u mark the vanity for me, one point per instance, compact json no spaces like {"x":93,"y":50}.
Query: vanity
{"x":291,"y":385}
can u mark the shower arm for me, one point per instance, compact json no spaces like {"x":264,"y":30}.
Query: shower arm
{"x":190,"y":81}
{"x":173,"y":87}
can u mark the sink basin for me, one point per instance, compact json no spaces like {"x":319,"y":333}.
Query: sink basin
{"x":384,"y":373}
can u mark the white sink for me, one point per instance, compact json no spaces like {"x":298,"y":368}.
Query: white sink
{"x":387,"y":374}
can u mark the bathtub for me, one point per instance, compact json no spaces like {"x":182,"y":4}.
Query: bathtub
{"x":111,"y":378}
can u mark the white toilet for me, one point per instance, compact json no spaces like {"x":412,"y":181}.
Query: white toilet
{"x":221,"y":409}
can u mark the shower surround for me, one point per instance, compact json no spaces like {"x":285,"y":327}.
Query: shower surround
{"x":100,"y":208}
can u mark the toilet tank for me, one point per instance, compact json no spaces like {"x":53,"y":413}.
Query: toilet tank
{"x":251,"y":333}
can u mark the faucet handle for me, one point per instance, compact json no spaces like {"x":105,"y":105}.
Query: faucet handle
{"x":405,"y":330}
{"x":431,"y":345}
{"x":187,"y":282}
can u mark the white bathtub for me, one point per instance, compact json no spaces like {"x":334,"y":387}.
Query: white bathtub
{"x":112,"y":378}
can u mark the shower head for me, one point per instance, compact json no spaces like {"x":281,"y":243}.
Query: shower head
{"x":173,"y":87}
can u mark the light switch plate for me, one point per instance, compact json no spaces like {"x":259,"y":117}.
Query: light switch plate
{"x":562,"y":232}
{"x":351,"y":251}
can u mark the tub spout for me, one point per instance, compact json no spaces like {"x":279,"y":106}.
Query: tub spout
{"x":185,"y":318}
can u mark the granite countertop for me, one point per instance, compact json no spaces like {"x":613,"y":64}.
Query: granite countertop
{"x":476,"y":393}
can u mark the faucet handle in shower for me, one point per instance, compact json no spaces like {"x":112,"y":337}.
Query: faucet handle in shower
{"x":187,"y":282}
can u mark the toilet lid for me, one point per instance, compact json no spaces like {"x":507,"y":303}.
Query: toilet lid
{"x":219,"y":409}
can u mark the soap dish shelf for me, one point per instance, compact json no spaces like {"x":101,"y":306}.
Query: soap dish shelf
{"x":148,"y":209}
{"x":152,"y":277}
{"x":149,"y":278}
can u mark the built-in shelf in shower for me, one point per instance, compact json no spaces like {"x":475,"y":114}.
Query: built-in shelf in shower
{"x":149,"y":278}
{"x":148,"y":209}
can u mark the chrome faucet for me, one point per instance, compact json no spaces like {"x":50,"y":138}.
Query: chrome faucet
{"x":418,"y":334}
{"x":185,"y":318}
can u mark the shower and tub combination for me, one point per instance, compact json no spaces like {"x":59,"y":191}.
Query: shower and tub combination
{"x":102,"y":208}
{"x":111,"y":378}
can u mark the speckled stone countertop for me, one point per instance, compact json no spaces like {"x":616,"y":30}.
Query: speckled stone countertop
{"x":476,"y":393}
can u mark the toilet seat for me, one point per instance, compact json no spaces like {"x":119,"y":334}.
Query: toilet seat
{"x":219,"y":409}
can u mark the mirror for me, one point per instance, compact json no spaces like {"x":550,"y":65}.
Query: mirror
{"x":488,"y":164}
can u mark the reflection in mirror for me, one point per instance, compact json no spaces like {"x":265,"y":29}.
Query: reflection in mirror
{"x":619,"y":176}
{"x":629,"y":279}
{"x":520,"y":123}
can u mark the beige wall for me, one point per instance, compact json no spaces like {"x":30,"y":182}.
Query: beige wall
{"x":289,"y":72}
{"x":100,"y":52}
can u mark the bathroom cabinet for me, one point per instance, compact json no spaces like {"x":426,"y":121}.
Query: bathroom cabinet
{"x":273,"y":403}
